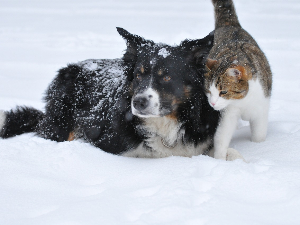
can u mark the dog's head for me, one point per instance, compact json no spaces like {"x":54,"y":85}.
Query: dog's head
{"x":163,"y":77}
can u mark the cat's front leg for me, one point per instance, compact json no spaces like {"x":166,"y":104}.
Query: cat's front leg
{"x":259,"y":124}
{"x":224,"y":133}
{"x":259,"y":127}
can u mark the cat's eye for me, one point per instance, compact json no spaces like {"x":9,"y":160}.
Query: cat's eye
{"x":138,"y":76}
{"x":167,"y":78}
{"x":223,"y":92}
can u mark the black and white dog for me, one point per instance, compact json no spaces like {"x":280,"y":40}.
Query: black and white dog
{"x":150,"y":103}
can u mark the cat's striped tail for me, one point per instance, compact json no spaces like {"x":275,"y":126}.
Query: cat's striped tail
{"x":225,"y":14}
{"x":19,"y":121}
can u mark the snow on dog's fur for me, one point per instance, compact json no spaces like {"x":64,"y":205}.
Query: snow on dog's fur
{"x":150,"y":103}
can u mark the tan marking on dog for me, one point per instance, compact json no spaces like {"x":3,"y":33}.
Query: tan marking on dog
{"x":71,"y":136}
{"x":172,"y":116}
{"x":187,"y":91}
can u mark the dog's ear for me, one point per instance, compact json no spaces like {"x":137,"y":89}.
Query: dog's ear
{"x":133,"y":43}
{"x":199,"y":49}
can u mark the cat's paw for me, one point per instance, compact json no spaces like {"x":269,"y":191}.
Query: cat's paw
{"x":233,"y":154}
{"x":258,"y":138}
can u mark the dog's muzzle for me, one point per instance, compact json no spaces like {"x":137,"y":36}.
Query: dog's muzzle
{"x":140,"y":103}
{"x":146,"y":104}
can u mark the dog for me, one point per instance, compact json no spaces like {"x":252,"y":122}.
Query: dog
{"x":151,"y":103}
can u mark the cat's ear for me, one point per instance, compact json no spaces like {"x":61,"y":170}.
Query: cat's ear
{"x":133,"y":43}
{"x":198,"y":49}
{"x":239,"y":72}
{"x":210,"y":63}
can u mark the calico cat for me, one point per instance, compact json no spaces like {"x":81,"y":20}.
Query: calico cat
{"x":238,"y":81}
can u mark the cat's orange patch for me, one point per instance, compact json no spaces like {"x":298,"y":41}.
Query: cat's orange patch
{"x":210,"y":63}
{"x":234,"y":82}
{"x":245,"y":74}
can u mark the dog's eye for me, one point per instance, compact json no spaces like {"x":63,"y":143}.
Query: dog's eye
{"x":138,"y":76}
{"x":167,"y":78}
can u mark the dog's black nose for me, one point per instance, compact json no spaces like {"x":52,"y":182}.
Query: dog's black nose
{"x":140,"y":103}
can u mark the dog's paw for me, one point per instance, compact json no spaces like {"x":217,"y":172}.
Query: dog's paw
{"x":233,"y":154}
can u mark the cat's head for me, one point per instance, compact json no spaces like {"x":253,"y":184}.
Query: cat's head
{"x":225,"y":82}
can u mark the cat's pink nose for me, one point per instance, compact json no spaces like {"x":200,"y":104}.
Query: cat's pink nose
{"x":213,"y":104}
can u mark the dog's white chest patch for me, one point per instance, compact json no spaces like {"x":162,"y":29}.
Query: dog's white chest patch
{"x":164,"y":127}
{"x":165,"y":138}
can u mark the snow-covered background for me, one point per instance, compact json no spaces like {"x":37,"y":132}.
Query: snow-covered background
{"x":74,"y":183}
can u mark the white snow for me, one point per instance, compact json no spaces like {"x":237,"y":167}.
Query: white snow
{"x":90,"y":66}
{"x":164,"y":52}
{"x":74,"y":183}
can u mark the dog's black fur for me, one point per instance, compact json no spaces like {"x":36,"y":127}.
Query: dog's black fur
{"x":93,"y":99}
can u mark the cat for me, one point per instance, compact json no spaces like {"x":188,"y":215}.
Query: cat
{"x":238,"y":81}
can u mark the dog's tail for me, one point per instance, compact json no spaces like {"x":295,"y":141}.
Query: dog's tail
{"x":19,"y":121}
{"x":225,"y":14}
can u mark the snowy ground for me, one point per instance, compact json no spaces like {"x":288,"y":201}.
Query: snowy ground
{"x":74,"y":183}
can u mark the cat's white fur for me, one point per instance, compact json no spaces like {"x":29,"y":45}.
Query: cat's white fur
{"x":253,"y":108}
